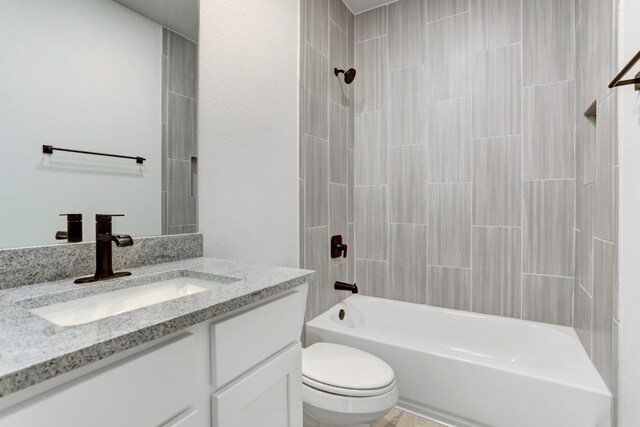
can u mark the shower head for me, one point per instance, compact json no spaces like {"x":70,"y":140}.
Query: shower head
{"x":349,"y":75}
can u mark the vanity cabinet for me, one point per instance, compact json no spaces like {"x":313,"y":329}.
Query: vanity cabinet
{"x":243,"y":370}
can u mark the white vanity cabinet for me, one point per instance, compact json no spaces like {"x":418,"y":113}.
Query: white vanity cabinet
{"x":242,"y":370}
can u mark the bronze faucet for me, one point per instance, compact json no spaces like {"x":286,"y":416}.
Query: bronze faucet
{"x":104,"y":266}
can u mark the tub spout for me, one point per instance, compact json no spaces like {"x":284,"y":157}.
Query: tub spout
{"x":341,"y":286}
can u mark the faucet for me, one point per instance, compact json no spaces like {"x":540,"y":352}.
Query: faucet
{"x":341,"y":286}
{"x":104,"y":237}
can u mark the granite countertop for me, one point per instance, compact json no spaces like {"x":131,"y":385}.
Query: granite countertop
{"x":33,"y":349}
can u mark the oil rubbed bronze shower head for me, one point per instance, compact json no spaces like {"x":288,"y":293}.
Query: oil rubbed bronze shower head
{"x":349,"y":75}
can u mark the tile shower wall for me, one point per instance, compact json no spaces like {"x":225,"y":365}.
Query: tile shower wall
{"x":179,"y":134}
{"x":596,"y":283}
{"x":326,"y":147}
{"x":464,"y":155}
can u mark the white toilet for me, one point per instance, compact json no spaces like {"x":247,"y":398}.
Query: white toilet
{"x":344,"y":386}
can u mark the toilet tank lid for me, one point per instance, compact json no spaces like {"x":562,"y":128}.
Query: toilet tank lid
{"x":345,"y":367}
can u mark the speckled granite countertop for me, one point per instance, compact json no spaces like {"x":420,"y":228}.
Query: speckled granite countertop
{"x":33,"y":349}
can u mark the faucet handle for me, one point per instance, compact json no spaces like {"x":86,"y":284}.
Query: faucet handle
{"x":106,"y":217}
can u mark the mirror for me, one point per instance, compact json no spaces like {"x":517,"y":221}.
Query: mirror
{"x":104,"y":77}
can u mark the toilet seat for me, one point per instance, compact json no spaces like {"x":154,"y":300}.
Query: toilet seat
{"x":351,"y":392}
{"x":345,"y":371}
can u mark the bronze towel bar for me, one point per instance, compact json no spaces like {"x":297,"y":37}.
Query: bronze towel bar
{"x":617,"y":79}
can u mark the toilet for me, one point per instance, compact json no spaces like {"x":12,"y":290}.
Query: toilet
{"x":344,"y":386}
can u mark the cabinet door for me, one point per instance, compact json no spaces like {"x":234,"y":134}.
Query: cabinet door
{"x":145,"y":389}
{"x":267,"y":396}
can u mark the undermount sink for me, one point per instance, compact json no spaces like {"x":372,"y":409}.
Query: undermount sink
{"x":99,"y":306}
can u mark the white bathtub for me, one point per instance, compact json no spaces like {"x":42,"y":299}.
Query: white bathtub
{"x":468,"y":369}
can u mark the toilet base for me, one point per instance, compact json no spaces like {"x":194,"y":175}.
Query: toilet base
{"x":328,"y":410}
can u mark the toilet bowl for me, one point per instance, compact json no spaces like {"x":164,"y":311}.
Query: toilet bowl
{"x":344,"y":386}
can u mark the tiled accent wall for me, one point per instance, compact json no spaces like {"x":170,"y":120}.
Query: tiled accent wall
{"x":597,"y":166}
{"x":326,"y":147}
{"x":179,"y":134}
{"x":464,"y":155}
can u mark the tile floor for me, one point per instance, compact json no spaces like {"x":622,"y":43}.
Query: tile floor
{"x":398,"y":418}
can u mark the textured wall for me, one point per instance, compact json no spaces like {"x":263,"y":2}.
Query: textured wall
{"x":464,"y":155}
{"x":597,"y":171}
{"x":248,"y":130}
{"x":326,"y":146}
{"x":628,"y":320}
{"x":179,"y":134}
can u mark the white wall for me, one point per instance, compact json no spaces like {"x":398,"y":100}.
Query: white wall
{"x":629,"y":234}
{"x":248,"y":130}
{"x":82,"y":74}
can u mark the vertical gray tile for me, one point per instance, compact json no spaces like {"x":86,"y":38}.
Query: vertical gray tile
{"x":338,"y":210}
{"x":371,"y":222}
{"x":588,"y":147}
{"x":370,"y":24}
{"x":165,"y":156}
{"x":301,"y":224}
{"x":449,"y":225}
{"x":448,"y":61}
{"x":496,"y":273}
{"x":371,"y":145}
{"x":603,"y":258}
{"x":547,"y":299}
{"x":408,"y":189}
{"x":438,"y":9}
{"x":407,"y":33}
{"x":182,"y":229}
{"x":371,"y":277}
{"x":351,"y":260}
{"x":407,"y":263}
{"x":338,"y":58}
{"x":317,"y":259}
{"x":449,"y":140}
{"x":582,"y":317}
{"x":549,"y":124}
{"x":316,"y":24}
{"x":603,"y":191}
{"x":337,"y":144}
{"x":165,"y":41}
{"x":614,"y":372}
{"x":316,"y":181}
{"x":449,"y":287}
{"x":181,"y":207}
{"x":350,"y":185}
{"x":337,"y":272}
{"x":547,"y":41}
{"x":163,"y":214}
{"x":584,"y":246}
{"x":301,"y":128}
{"x":548,"y":227}
{"x":183,"y":66}
{"x":165,"y":89}
{"x":407,"y":124}
{"x":495,"y":23}
{"x":497,"y":92}
{"x":339,"y":14}
{"x":316,"y":95}
{"x":351,"y":91}
{"x":371,"y":82}
{"x":182,"y":127}
{"x":497,"y":186}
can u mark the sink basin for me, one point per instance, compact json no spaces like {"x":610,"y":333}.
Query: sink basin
{"x":95,"y":307}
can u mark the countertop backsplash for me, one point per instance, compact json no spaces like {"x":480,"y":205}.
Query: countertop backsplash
{"x":37,"y":264}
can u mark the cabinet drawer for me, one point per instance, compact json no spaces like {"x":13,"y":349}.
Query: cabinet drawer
{"x":244,"y":341}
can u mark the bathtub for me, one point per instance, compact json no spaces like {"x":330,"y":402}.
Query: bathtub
{"x":473,"y":370}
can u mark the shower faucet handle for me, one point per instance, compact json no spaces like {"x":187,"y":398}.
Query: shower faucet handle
{"x":338,"y":249}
